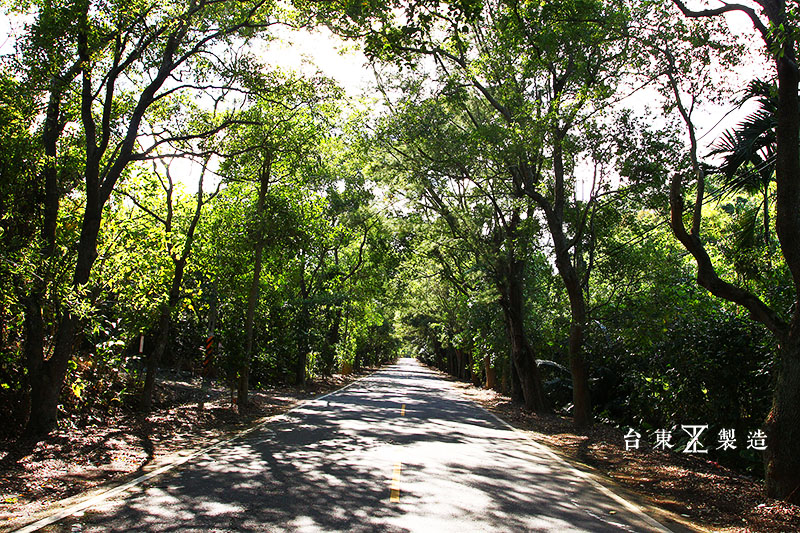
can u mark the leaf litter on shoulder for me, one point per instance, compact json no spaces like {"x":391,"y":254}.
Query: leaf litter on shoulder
{"x":706,"y":493}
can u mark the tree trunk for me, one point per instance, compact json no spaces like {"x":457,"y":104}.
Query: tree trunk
{"x":554,"y":214}
{"x":46,"y":386}
{"x":43,"y":388}
{"x":582,"y":407}
{"x":527,"y":372}
{"x":437,"y":355}
{"x":783,"y":452}
{"x":46,"y":383}
{"x":516,"y":387}
{"x":44,"y":395}
{"x":521,"y":354}
{"x":162,"y":337}
{"x":782,"y":462}
{"x":491,"y":373}
{"x":243,"y":384}
{"x":34,"y":351}
{"x":154,"y":358}
{"x":302,"y":358}
{"x":42,"y":398}
{"x":174,"y":296}
{"x":252,"y":300}
{"x":302,"y":331}
{"x":474,"y":376}
{"x":331,"y":340}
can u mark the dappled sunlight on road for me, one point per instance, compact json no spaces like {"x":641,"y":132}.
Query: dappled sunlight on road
{"x":398,"y":451}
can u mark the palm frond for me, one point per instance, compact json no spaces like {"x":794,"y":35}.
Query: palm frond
{"x":747,"y":150}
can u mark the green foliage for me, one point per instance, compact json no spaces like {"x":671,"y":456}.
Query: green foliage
{"x":386,"y":235}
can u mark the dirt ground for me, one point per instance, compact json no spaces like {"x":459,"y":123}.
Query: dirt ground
{"x":707,"y":496}
{"x":78,"y":458}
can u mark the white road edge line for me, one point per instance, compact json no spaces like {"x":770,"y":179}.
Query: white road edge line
{"x":584,"y":475}
{"x":60,"y":515}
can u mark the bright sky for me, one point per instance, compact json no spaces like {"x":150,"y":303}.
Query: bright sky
{"x":753,"y":64}
{"x":305,"y":51}
{"x":5,"y":34}
{"x":309,"y":52}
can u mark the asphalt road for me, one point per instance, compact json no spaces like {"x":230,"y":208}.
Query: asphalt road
{"x":397,"y":451}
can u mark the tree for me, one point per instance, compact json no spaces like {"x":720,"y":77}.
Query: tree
{"x":278,"y":141}
{"x":179,"y":255}
{"x":544,"y":70}
{"x":120,"y":62}
{"x":776,"y":24}
{"x":441,"y":156}
{"x":748,"y":150}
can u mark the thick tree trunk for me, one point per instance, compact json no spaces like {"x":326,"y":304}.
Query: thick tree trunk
{"x":516,"y":387}
{"x":582,"y":407}
{"x":783,"y":427}
{"x":554,"y":214}
{"x":46,"y":386}
{"x":46,"y":383}
{"x":783,"y":451}
{"x":521,"y":354}
{"x":44,"y":389}
{"x":44,"y":395}
{"x":302,"y":362}
{"x":34,"y":351}
{"x":526,"y":370}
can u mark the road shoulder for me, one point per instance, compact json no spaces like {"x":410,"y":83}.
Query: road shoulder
{"x":217,"y":425}
{"x":684,"y":493}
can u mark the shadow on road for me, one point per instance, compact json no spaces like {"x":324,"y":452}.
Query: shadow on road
{"x":328,"y":466}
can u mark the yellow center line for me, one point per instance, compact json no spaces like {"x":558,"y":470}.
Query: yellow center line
{"x":394,"y":494}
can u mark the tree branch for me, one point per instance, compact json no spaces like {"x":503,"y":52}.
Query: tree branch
{"x":707,"y":275}
{"x":726,"y":8}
